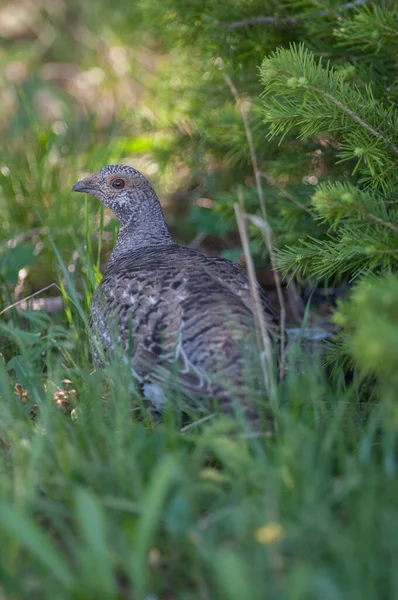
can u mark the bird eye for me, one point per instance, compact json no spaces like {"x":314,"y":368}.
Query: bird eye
{"x":118,"y":184}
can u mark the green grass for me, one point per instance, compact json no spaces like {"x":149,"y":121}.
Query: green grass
{"x":98,"y":502}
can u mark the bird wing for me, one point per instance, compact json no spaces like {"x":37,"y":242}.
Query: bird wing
{"x":182,"y":326}
{"x":235,"y":278}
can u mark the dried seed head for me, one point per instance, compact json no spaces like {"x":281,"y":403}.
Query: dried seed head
{"x":21,"y":393}
{"x":61,"y":398}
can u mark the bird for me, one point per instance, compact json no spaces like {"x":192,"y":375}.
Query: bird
{"x":183,"y":320}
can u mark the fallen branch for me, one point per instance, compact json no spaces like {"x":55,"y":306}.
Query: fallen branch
{"x":259,"y":20}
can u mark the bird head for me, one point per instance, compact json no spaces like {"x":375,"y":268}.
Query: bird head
{"x":119,"y":187}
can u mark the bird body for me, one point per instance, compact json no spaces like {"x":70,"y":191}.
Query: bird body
{"x":184,"y":320}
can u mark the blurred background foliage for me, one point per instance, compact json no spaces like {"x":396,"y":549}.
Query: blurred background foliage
{"x":93,"y":501}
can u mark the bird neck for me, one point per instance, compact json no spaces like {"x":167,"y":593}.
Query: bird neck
{"x":146,"y":227}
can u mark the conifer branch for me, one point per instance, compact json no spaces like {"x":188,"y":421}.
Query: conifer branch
{"x":355,"y":117}
{"x":337,"y":201}
{"x":292,"y":101}
{"x":290,"y":20}
{"x":373,"y":217}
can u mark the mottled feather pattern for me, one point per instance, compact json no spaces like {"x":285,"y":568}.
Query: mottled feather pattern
{"x":184,"y":320}
{"x":183,"y":308}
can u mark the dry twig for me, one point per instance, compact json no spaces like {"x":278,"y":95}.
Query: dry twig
{"x":263,"y":338}
{"x":259,"y":20}
{"x":265,"y":229}
{"x":271,"y":181}
{"x":24,"y":301}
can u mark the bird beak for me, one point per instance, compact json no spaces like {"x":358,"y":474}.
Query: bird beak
{"x":84,"y":185}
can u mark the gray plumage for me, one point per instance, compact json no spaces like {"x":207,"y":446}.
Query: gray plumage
{"x":182,"y":318}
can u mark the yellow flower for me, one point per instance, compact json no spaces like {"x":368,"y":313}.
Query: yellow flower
{"x":270,"y":533}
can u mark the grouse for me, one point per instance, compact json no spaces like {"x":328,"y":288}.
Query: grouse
{"x":183,"y":320}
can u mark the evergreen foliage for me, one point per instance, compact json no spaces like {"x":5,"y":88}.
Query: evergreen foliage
{"x":304,"y":95}
{"x":371,"y":319}
{"x":96,"y":500}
